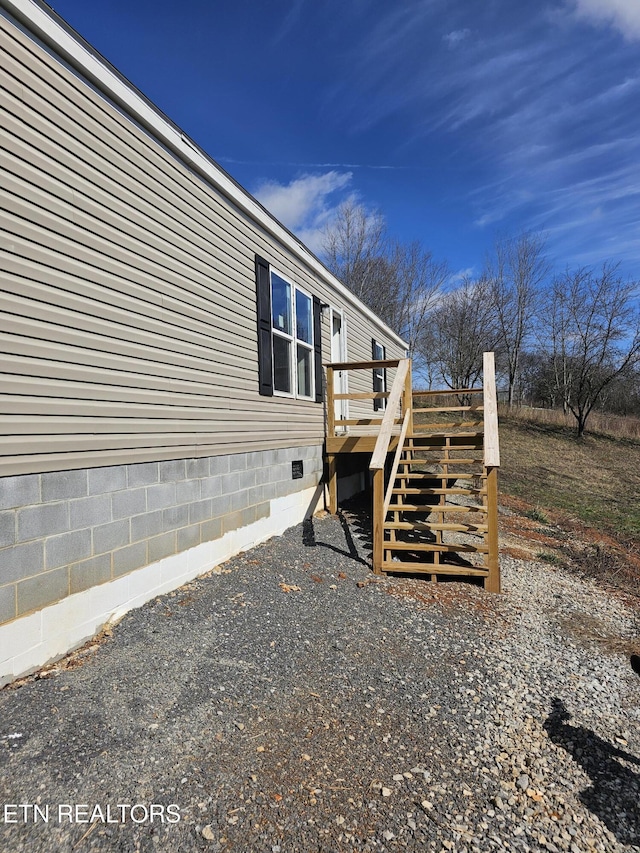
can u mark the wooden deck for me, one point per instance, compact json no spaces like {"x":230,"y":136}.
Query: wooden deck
{"x":434,"y":471}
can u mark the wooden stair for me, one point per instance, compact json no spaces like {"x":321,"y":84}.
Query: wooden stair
{"x":425,"y":527}
{"x":435,"y":504}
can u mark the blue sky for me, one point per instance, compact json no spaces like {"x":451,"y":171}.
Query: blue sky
{"x":460,"y":120}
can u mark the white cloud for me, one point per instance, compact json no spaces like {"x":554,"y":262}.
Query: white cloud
{"x":454,"y":38}
{"x":461,"y":275}
{"x":624,"y":15}
{"x":305,"y":204}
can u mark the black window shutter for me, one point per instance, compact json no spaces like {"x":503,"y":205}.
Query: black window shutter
{"x":379,"y":376}
{"x":317,"y":347}
{"x":263,"y":303}
{"x":376,"y":383}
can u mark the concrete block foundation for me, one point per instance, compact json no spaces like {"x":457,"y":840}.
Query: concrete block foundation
{"x":77,"y":546}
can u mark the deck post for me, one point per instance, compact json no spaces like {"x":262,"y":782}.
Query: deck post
{"x":492,"y":581}
{"x":407,"y":398}
{"x":331,"y":431}
{"x":491,"y":465}
{"x":378,"y":532}
{"x":333,"y":484}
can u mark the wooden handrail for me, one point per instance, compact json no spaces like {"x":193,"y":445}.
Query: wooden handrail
{"x":379,"y":456}
{"x":443,"y":391}
{"x":364,"y":422}
{"x":371,"y":395}
{"x":364,"y":365}
{"x":450,"y":409}
{"x":491,"y":441}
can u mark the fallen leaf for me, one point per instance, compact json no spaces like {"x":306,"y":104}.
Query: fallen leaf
{"x":342,"y":576}
{"x":286,"y":587}
{"x":317,"y":579}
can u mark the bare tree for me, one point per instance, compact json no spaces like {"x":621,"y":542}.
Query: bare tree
{"x":594,"y":334}
{"x":354,"y":243}
{"x":515,"y":276}
{"x":462,"y":328}
{"x":399,"y":281}
{"x":557,"y":331}
{"x":415,"y":281}
{"x":622,"y":397}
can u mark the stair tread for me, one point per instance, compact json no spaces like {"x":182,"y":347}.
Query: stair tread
{"x":433,"y":475}
{"x":433,"y":569}
{"x":427,"y":526}
{"x":442,"y":445}
{"x":435,"y":491}
{"x":465,"y":441}
{"x":445,"y":434}
{"x":444,"y":547}
{"x":435,"y":508}
{"x":441,"y":462}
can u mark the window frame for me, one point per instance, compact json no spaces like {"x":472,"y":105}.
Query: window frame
{"x":293,"y":340}
{"x":379,"y":376}
{"x":309,"y":346}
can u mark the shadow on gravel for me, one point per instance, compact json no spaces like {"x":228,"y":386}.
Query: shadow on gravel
{"x":615,"y":789}
{"x":309,"y":540}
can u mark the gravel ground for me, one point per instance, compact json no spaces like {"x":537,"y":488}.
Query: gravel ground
{"x":293,"y":702}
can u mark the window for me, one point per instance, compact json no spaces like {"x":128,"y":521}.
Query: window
{"x":292,"y":329}
{"x":282,"y":327}
{"x":304,"y":343}
{"x":378,"y":353}
{"x":289,"y":334}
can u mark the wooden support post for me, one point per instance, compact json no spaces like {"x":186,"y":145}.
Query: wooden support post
{"x":378,"y":526}
{"x":331,"y":405}
{"x":407,"y":401}
{"x":492,"y":582}
{"x":333,"y":484}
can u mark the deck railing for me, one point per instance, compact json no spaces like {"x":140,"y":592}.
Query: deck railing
{"x":364,"y":427}
{"x":394,"y":430}
{"x":333,"y":423}
{"x":400,"y":391}
{"x":491,"y":466}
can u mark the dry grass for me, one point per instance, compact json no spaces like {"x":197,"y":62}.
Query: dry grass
{"x":582,"y":494}
{"x":599,"y":423}
{"x":596,"y":479}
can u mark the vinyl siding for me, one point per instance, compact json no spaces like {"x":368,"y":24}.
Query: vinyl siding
{"x":128,"y":315}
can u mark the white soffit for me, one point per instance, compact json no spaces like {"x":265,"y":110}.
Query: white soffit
{"x":78,"y":54}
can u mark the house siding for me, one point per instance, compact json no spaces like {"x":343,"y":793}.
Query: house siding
{"x":135,"y":449}
{"x":128,"y":309}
